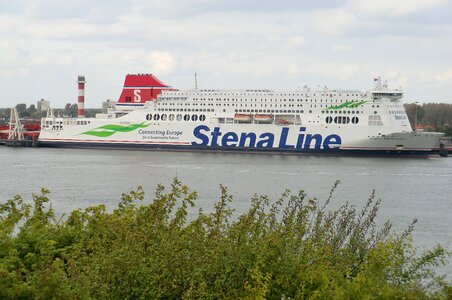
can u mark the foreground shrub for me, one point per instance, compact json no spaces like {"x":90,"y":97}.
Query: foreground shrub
{"x":293,"y":248}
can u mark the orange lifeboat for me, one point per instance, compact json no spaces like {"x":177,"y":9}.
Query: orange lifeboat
{"x":283,"y":122}
{"x":263,"y":118}
{"x":242,"y":118}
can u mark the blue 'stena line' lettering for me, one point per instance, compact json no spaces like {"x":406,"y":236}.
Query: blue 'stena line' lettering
{"x":215,"y":138}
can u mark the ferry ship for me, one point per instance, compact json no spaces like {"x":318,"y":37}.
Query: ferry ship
{"x":152,"y":115}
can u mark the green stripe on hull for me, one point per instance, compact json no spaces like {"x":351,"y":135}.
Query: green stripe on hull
{"x":350,"y":104}
{"x":109,"y":130}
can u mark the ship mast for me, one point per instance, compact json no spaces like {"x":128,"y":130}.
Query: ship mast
{"x":196,"y":81}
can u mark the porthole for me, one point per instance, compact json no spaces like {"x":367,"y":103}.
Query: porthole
{"x":194,"y":118}
{"x":156,"y":117}
{"x":202,"y":118}
{"x":187,"y":118}
{"x":171,"y":117}
{"x":149,"y":117}
{"x":355,"y":120}
{"x":179,"y":117}
{"x":163,"y":117}
{"x":329,"y":120}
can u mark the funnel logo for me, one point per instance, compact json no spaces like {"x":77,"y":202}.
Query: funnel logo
{"x":136,"y":96}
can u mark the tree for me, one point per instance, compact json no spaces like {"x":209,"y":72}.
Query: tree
{"x":70,"y":110}
{"x":31,"y":109}
{"x":292,"y":248}
{"x":21,"y":107}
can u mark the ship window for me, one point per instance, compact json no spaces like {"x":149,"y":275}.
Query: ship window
{"x":187,"y":117}
{"x":164,"y":117}
{"x":148,"y":117}
{"x":355,"y":120}
{"x":179,"y":117}
{"x":194,"y":118}
{"x":171,"y":117}
{"x":329,"y":120}
{"x":202,"y":118}
{"x":156,"y":117}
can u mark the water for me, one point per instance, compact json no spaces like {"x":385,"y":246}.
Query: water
{"x":409,"y":188}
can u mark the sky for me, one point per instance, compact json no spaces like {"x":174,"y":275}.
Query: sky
{"x":232,"y":44}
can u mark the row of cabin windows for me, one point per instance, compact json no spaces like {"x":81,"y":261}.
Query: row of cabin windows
{"x":257,"y":100}
{"x":271,"y":111}
{"x":172,"y":117}
{"x":242,"y":94}
{"x":396,"y":112}
{"x":250,"y":105}
{"x":341,"y":120}
{"x":340,"y":111}
{"x":83,"y":122}
{"x":186,"y":109}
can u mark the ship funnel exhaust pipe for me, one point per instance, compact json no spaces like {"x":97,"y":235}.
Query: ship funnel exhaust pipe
{"x":81,"y":96}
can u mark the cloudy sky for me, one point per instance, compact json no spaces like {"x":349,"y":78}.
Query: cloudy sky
{"x":45,"y":44}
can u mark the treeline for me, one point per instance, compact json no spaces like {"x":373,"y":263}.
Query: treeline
{"x":293,"y":248}
{"x":31,"y":112}
{"x":431,"y":116}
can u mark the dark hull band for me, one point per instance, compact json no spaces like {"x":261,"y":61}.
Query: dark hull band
{"x":190,"y":148}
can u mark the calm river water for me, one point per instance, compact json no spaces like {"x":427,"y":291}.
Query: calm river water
{"x":409,"y":188}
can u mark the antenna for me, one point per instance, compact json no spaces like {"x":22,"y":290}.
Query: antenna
{"x":196,"y":81}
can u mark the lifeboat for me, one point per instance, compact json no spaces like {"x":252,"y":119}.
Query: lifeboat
{"x":242,"y":118}
{"x":283,"y":122}
{"x":263,"y":118}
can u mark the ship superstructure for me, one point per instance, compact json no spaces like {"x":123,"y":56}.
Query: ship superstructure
{"x":152,"y":115}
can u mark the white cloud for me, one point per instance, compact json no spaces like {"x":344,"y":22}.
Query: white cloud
{"x":342,"y":48}
{"x":392,"y":7}
{"x":231,"y":44}
{"x":334,"y":22}
{"x":161,"y":62}
{"x":445,"y":76}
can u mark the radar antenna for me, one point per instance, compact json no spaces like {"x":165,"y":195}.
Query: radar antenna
{"x":378,"y":83}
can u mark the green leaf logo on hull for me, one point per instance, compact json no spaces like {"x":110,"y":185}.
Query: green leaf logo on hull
{"x":108,"y":130}
{"x":350,"y":104}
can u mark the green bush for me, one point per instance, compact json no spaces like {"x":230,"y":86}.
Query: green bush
{"x":294,"y":248}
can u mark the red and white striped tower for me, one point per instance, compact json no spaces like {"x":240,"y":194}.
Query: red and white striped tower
{"x":81,"y":96}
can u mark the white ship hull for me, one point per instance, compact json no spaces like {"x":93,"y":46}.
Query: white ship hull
{"x":127,"y":133}
{"x":299,"y":122}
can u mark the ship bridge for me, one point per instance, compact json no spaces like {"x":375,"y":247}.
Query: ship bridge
{"x":382,"y":91}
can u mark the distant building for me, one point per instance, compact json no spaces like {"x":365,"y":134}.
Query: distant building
{"x":108,"y":105}
{"x":43,"y":105}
